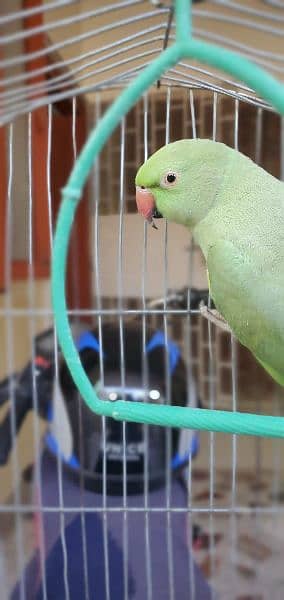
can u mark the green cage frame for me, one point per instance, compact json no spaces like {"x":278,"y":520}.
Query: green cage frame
{"x":171,"y":416}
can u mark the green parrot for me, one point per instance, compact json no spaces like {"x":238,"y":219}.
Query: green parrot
{"x":235,"y":210}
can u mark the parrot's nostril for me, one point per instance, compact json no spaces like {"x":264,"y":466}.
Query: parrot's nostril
{"x":142,"y":187}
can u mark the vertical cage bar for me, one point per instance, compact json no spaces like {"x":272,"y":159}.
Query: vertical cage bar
{"x":191,"y":391}
{"x":258,"y":135}
{"x":79,"y":400}
{"x":10,"y":368}
{"x":56,"y":363}
{"x":122,"y":355}
{"x":168,"y":388}
{"x":74,"y":247}
{"x":277,"y":479}
{"x":97,"y":193}
{"x":191,"y":401}
{"x":192,"y":112}
{"x":189,"y":376}
{"x":212,"y":401}
{"x":257,"y":158}
{"x":145,"y":375}
{"x":233,"y":521}
{"x":32,"y":331}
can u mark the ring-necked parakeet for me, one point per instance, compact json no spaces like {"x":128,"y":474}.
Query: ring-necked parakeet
{"x":235,"y":211}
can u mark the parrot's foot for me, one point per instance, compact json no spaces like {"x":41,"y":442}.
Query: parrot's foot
{"x":214,"y":316}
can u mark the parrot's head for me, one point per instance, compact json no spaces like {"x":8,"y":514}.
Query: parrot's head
{"x":180,"y":181}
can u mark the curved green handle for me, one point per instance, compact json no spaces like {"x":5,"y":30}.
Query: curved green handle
{"x":173,"y":416}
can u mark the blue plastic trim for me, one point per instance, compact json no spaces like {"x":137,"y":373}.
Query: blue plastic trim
{"x":53,"y":446}
{"x":87,"y":340}
{"x":179,"y":461}
{"x":158,"y":339}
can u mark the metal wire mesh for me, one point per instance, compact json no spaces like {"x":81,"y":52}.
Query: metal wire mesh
{"x":62,"y":60}
{"x":45,"y":61}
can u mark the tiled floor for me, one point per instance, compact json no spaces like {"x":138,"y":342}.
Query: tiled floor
{"x":240,"y":553}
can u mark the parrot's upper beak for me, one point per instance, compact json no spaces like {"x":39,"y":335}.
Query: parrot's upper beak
{"x":146,"y":204}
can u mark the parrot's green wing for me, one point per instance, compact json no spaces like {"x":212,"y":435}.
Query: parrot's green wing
{"x":252,"y":303}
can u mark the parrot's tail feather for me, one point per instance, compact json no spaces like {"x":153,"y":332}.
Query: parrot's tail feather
{"x":278,"y":377}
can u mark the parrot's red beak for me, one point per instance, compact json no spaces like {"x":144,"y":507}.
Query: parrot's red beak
{"x":146,"y":204}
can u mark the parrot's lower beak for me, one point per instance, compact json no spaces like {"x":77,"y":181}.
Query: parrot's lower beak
{"x":146,"y":205}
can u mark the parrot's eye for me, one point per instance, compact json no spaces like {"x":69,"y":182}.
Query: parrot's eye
{"x":169,"y":179}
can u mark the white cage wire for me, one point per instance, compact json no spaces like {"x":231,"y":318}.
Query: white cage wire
{"x":61,"y":65}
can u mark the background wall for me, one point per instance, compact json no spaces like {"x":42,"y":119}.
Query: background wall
{"x":181,"y":267}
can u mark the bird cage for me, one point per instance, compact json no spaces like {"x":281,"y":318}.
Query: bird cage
{"x":62,"y":63}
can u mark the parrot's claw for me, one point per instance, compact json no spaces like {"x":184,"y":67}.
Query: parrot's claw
{"x":214,"y":316}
